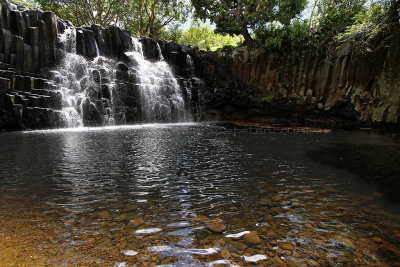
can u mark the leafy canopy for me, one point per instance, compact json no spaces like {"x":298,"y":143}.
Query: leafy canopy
{"x":150,"y":17}
{"x":202,"y":35}
{"x":86,"y":12}
{"x":142,"y":17}
{"x":246,"y":16}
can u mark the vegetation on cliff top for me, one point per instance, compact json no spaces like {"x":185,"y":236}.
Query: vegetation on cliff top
{"x":334,"y":23}
{"x":247,"y":16}
{"x":287,"y":27}
{"x":203,"y":36}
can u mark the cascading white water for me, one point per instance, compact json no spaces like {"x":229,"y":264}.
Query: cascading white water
{"x":81,"y":81}
{"x":160,"y":93}
{"x":89,"y":87}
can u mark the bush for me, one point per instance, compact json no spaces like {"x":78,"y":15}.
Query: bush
{"x":292,"y":39}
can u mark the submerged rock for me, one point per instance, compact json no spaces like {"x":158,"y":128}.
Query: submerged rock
{"x":344,"y":242}
{"x":288,"y":246}
{"x":216,"y":225}
{"x":252,"y":238}
{"x":225,"y":253}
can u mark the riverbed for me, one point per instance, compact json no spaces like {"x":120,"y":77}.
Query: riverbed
{"x":199,"y":194}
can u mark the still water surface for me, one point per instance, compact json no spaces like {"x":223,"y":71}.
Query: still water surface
{"x":189,"y":194}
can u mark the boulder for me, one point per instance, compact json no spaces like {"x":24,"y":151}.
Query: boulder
{"x":6,"y":8}
{"x":18,"y":24}
{"x":44,"y":45}
{"x":2,"y":23}
{"x":35,"y":16}
{"x":90,"y":114}
{"x":80,"y":42}
{"x":28,"y":58}
{"x":5,"y":85}
{"x":98,"y":32}
{"x":18,"y":45}
{"x":116,"y":42}
{"x":151,"y":49}
{"x":216,"y":225}
{"x":122,"y":67}
{"x":126,"y":40}
{"x":34,"y":42}
{"x":252,"y":238}
{"x":51,"y":21}
{"x":90,"y":43}
{"x":5,"y":44}
{"x":61,"y":26}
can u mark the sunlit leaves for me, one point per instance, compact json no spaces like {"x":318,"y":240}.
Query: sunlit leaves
{"x":201,"y":35}
{"x":142,"y":17}
{"x":246,"y":16}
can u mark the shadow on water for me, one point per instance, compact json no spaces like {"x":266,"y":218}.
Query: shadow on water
{"x":376,"y":164}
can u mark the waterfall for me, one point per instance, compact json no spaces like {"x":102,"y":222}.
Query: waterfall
{"x":160,"y":94}
{"x":85,"y":85}
{"x":103,"y":91}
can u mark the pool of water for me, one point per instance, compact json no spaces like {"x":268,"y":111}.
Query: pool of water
{"x":198,"y":195}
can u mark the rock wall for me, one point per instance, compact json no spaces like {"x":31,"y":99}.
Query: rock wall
{"x":27,"y":45}
{"x":257,"y":86}
{"x":348,"y":89}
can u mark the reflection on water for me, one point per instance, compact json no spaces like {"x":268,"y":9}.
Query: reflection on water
{"x":191,"y":194}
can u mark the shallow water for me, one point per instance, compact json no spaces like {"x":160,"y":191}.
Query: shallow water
{"x":189,"y":194}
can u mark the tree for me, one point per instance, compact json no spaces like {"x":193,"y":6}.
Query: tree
{"x":246,"y":16}
{"x":202,"y":35}
{"x":149,"y":17}
{"x":336,"y":15}
{"x":143,"y":17}
{"x":86,"y":12}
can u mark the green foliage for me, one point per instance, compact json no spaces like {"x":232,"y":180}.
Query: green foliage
{"x":369,"y":29}
{"x":246,"y":16}
{"x":366,"y":20}
{"x":267,"y":99}
{"x":173,"y":33}
{"x":293,"y":37}
{"x":142,"y":17}
{"x":150,"y":17}
{"x":332,"y":19}
{"x":82,"y":12}
{"x":332,"y":23}
{"x":202,"y":35}
{"x":26,"y":3}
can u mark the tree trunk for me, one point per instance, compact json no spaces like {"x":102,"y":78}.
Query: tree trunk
{"x":247,"y":38}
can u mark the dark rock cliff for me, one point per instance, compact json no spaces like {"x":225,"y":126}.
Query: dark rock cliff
{"x":347,"y":89}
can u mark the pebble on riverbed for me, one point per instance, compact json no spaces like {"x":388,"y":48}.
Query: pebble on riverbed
{"x":252,"y":238}
{"x":217,"y":225}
